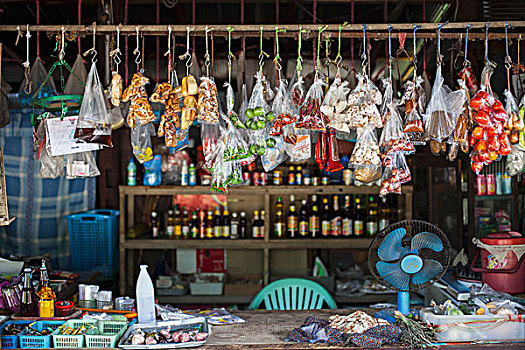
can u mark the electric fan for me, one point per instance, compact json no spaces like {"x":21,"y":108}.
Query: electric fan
{"x":408,"y":256}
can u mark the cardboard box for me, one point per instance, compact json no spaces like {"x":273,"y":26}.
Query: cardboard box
{"x":242,"y":285}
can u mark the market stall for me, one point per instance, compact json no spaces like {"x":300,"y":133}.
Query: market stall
{"x":362,"y":200}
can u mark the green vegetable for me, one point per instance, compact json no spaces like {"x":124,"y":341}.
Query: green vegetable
{"x":261,"y":150}
{"x":249,"y":113}
{"x":258,"y":111}
{"x":253,"y":125}
{"x":261,"y":124}
{"x":269,"y":116}
{"x":253,"y":149}
{"x":270,"y":143}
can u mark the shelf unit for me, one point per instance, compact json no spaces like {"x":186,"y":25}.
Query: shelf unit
{"x":127,"y":196}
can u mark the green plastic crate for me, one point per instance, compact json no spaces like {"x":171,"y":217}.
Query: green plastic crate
{"x":72,"y":341}
{"x":106,"y":335}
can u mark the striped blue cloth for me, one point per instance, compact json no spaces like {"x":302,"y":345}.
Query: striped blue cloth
{"x":40,"y":205}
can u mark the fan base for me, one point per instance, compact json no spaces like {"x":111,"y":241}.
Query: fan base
{"x":403,"y":302}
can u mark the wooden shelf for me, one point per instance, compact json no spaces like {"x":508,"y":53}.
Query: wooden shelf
{"x":320,"y":243}
{"x":253,"y":190}
{"x":241,"y":244}
{"x":498,"y":197}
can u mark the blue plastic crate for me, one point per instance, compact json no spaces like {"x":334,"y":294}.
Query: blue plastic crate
{"x":93,"y":240}
{"x":11,"y":341}
{"x":38,"y":341}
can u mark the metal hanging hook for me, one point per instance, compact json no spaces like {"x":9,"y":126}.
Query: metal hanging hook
{"x":414,"y":60}
{"x":93,"y":50}
{"x":508,"y":59}
{"x":466,"y":62}
{"x":62,"y":51}
{"x":207,"y":57}
{"x":136,"y":52}
{"x":28,"y":35}
{"x":26,"y":64}
{"x":363,"y":55}
{"x":487,"y":24}
{"x":115,"y":54}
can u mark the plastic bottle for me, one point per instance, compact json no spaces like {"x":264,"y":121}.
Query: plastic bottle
{"x":184,"y":174}
{"x":192,"y":178}
{"x":132,"y":173}
{"x":145,"y":297}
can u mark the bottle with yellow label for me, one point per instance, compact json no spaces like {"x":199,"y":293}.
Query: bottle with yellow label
{"x":46,"y":296}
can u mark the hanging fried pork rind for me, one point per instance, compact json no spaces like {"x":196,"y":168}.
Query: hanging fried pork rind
{"x":161,"y":94}
{"x":310,"y":116}
{"x":135,"y":88}
{"x":140,"y":112}
{"x":207,"y":102}
{"x":115,"y":89}
{"x":442,"y":113}
{"x":414,"y":100}
{"x":366,"y":157}
{"x":334,"y":105}
{"x":362,"y":104}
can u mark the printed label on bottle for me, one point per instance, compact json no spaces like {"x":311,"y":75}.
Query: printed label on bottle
{"x":185,"y":231}
{"x":217,"y":231}
{"x":193,"y":180}
{"x":371,"y":228}
{"x":235,"y":231}
{"x":314,"y":226}
{"x":194,"y":232}
{"x":255,"y":231}
{"x":298,"y":179}
{"x":155,"y":231}
{"x":348,"y":227}
{"x":336,"y":226}
{"x":226,"y":231}
{"x":292,"y":225}
{"x":46,"y":308}
{"x":178,"y":231}
{"x":303,"y":228}
{"x":209,"y":232}
{"x":358,"y":227}
{"x":170,"y":231}
{"x":278,"y":229}
{"x":184,"y":180}
{"x":383,"y":223}
{"x":325,"y":228}
{"x":291,"y":179}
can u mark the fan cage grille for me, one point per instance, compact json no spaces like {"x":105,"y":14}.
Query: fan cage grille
{"x":412,"y":227}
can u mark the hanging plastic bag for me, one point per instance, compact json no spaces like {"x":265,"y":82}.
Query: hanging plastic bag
{"x":393,"y":139}
{"x":283,"y":109}
{"x":521,"y":114}
{"x":362,"y":104}
{"x":414,"y":100}
{"x":387,"y":99}
{"x":334,"y":105}
{"x":141,"y":142}
{"x":258,"y":117}
{"x":209,"y":136}
{"x":94,"y":120}
{"x":301,"y":150}
{"x":36,"y":77}
{"x":297,"y":92}
{"x":514,"y":123}
{"x":515,"y":161}
{"x":81,"y":165}
{"x":366,"y":157}
{"x":152,"y":171}
{"x":207,"y":102}
{"x":459,"y":140}
{"x":50,"y":167}
{"x":310,"y":116}
{"x":274,"y":156}
{"x":396,"y":173}
{"x":77,"y":79}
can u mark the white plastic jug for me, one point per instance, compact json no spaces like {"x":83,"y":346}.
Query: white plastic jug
{"x":145,"y":297}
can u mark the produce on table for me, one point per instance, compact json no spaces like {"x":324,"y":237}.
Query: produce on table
{"x":166,"y":335}
{"x":415,"y":334}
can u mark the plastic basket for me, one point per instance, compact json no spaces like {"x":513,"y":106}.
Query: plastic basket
{"x":10,"y":341}
{"x":38,"y":341}
{"x":93,"y":240}
{"x":106,"y":335}
{"x":71,"y":341}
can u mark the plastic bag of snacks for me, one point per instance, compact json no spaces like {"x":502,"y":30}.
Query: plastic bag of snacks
{"x":393,"y":139}
{"x":94,"y":119}
{"x":207,"y":101}
{"x":310,"y":116}
{"x":141,"y":142}
{"x":414,"y":100}
{"x":209,"y":135}
{"x":283,"y":109}
{"x":258,"y":118}
{"x":366,"y":157}
{"x":362,"y":104}
{"x":515,"y":161}
{"x":274,"y":156}
{"x":387,"y":99}
{"x":140,"y":112}
{"x":334,"y":105}
{"x":514,"y":123}
{"x":135,"y":88}
{"x":488,"y":136}
{"x":396,"y":172}
{"x":161,"y":93}
{"x":459,"y":140}
{"x":50,"y":167}
{"x":297,"y":92}
{"x":442,"y":113}
{"x":302,"y":148}
{"x":80,"y":165}
{"x":521,"y":143}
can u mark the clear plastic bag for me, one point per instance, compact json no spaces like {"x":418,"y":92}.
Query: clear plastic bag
{"x":302,"y":148}
{"x":443,"y":109}
{"x":94,"y":120}
{"x":50,"y":167}
{"x":396,"y":172}
{"x":310,"y":116}
{"x":258,"y":117}
{"x":521,"y":114}
{"x":141,"y":142}
{"x":393,"y":139}
{"x":297,"y":92}
{"x":362,"y":104}
{"x":284,"y":110}
{"x":334,"y":105}
{"x":387,"y":99}
{"x":366,"y":157}
{"x":459,"y":139}
{"x":274,"y":156}
{"x":514,"y":123}
{"x":81,"y":165}
{"x":414,"y":100}
{"x":515,"y":161}
{"x":209,"y":136}
{"x":207,"y":102}
{"x":74,"y":82}
{"x":152,"y":171}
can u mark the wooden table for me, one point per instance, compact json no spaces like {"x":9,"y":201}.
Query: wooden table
{"x":266,"y":330}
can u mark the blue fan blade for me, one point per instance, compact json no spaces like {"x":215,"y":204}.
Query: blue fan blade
{"x":392,"y":273}
{"x":390,"y":249}
{"x":431,"y":269}
{"x":426,"y":240}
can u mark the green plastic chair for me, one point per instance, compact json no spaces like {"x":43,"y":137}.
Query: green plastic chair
{"x":293,"y":294}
